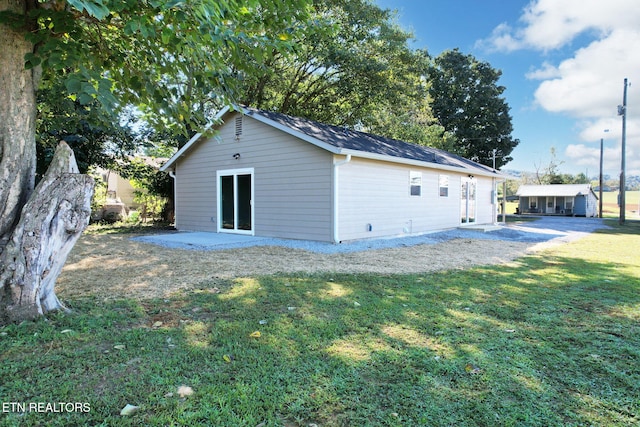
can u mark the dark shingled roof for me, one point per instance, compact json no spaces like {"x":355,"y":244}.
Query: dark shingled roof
{"x":349,"y":139}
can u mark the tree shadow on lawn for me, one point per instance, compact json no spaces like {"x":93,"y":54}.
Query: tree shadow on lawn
{"x":551,"y":341}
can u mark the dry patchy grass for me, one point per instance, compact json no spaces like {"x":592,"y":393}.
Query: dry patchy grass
{"x":113,"y":266}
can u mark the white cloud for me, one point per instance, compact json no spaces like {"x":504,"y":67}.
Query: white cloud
{"x":609,"y":128}
{"x":551,"y":24}
{"x":502,"y":39}
{"x":588,"y":154}
{"x":588,"y":84}
{"x":547,"y":71}
{"x":589,"y":157}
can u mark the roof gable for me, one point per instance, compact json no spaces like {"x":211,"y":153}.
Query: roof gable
{"x":339,"y":140}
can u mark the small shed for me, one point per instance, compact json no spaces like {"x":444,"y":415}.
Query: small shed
{"x":269,"y":174}
{"x":558,"y":199}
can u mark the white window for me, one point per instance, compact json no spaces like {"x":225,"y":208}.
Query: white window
{"x":443,"y":183}
{"x":415,"y":183}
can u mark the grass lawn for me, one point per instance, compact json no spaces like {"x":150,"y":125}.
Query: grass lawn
{"x":552,"y":340}
{"x":611,"y":209}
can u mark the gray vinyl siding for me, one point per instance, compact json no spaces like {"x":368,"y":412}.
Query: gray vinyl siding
{"x":378,"y":193}
{"x":292,"y":181}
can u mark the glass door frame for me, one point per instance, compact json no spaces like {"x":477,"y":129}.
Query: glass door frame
{"x":468,"y":200}
{"x":235,"y":173}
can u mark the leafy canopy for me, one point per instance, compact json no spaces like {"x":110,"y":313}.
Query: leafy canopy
{"x":172,"y":59}
{"x":96,"y":139}
{"x":352,"y":66}
{"x":468,"y":102}
{"x":344,"y":62}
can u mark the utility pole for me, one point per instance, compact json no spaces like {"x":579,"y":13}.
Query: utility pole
{"x":622,"y":111}
{"x":601,"y":161}
{"x":600,"y":183}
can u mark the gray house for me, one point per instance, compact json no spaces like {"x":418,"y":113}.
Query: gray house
{"x":268,"y":174}
{"x":558,"y":199}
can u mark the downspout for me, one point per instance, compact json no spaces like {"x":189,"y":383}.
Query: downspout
{"x":336,"y":165}
{"x":175,"y":201}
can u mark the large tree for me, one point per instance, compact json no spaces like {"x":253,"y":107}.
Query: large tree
{"x":352,"y":66}
{"x":159,"y":55}
{"x":468,"y":102}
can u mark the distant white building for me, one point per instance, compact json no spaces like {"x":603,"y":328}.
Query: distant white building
{"x":558,"y":199}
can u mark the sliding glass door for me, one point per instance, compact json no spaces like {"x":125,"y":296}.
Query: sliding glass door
{"x":235,"y":201}
{"x":467,"y":200}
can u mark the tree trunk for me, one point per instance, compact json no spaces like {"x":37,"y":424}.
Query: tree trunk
{"x":53,"y":219}
{"x":37,"y":228}
{"x":17,"y":123}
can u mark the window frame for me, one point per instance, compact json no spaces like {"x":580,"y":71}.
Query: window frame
{"x":415,"y":184}
{"x":443,"y":184}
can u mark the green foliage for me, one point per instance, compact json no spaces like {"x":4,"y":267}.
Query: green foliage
{"x":144,"y":174}
{"x":151,"y":206}
{"x":174,"y":60}
{"x":550,"y":341}
{"x":468,"y":102}
{"x":95,"y":137}
{"x":99,"y":197}
{"x":352,"y":66}
{"x":344,"y":62}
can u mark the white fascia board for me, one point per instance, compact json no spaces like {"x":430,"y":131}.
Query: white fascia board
{"x":193,"y":140}
{"x":430,"y":165}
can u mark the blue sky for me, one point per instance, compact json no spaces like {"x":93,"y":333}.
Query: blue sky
{"x":563,"y":63}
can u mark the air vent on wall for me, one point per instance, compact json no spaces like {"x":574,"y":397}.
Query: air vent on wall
{"x":238,"y":127}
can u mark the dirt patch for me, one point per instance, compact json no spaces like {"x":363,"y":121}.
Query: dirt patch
{"x":113,"y":266}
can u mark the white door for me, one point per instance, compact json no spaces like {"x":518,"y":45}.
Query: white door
{"x":235,"y":201}
{"x":551,"y":206}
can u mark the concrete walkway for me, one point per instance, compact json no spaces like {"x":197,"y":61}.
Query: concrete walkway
{"x":544,"y":229}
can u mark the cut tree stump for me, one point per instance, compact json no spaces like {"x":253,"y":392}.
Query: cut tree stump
{"x":51,"y":222}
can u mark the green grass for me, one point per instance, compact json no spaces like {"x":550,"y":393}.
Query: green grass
{"x":611,"y":208}
{"x":553,"y":340}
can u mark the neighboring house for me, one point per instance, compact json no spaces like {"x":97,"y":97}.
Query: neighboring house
{"x":269,"y":174}
{"x":558,"y":199}
{"x":120,"y":189}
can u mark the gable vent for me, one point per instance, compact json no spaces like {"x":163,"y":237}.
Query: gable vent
{"x":238,"y":126}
